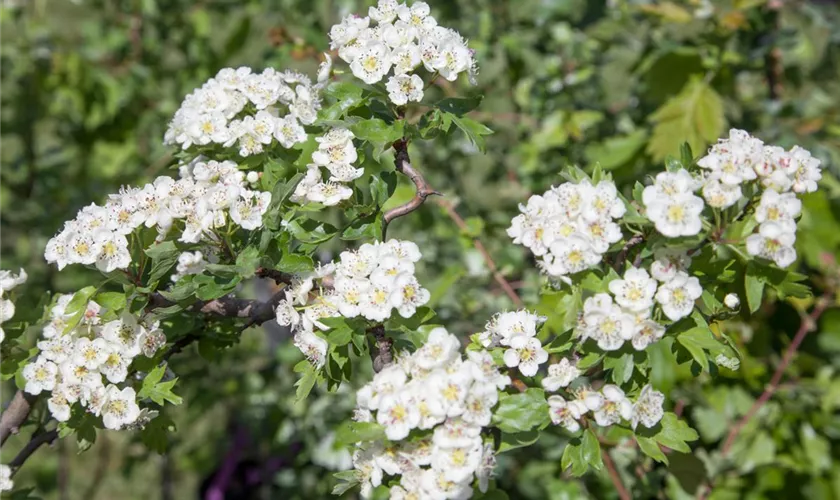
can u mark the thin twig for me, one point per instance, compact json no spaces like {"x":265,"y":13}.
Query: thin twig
{"x":403,"y":164}
{"x":623,"y":494}
{"x":807,"y":325}
{"x":462,"y":225}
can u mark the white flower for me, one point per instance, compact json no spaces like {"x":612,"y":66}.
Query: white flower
{"x":440,"y":349}
{"x":399,"y":414}
{"x":564,"y":413}
{"x":773,"y":242}
{"x":456,"y":433}
{"x":115,"y":366}
{"x":720,"y":195}
{"x":124,"y":334}
{"x":372,"y":63}
{"x":367,"y":470}
{"x":90,"y":353}
{"x":731,"y":160}
{"x":479,"y":403}
{"x":248,"y":209}
{"x":778,"y":208}
{"x":526,"y":353}
{"x":647,"y":331}
{"x":676,"y":216}
{"x":605,"y":322}
{"x":615,"y":408}
{"x":668,"y":262}
{"x":40,"y":376}
{"x":451,"y":389}
{"x":732,"y":301}
{"x":384,"y":12}
{"x":6,"y":483}
{"x":634,"y":292}
{"x":804,"y":170}
{"x":288,"y":131}
{"x":8,"y":281}
{"x":678,"y":295}
{"x":405,"y":88}
{"x":457,"y":464}
{"x":58,"y":405}
{"x":560,"y":375}
{"x":669,"y":185}
{"x":120,"y":407}
{"x":587,"y":400}
{"x":408,"y":295}
{"x":648,"y":408}
{"x":313,"y":347}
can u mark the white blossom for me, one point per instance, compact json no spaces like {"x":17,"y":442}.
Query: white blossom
{"x":676,"y":297}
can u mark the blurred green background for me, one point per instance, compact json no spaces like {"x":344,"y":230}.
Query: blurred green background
{"x":89,"y":86}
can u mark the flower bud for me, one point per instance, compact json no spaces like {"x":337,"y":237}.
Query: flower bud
{"x":253,"y":177}
{"x":732,"y":301}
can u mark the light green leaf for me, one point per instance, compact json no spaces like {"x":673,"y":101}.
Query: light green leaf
{"x":695,"y":116}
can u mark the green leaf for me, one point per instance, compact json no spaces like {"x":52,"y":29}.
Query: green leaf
{"x":347,"y":480}
{"x":650,"y":448}
{"x":77,"y":306}
{"x":348,"y":97}
{"x":306,"y":382}
{"x":159,"y":391}
{"x":247,"y":262}
{"x":164,"y":255}
{"x":459,"y":106}
{"x":295,"y":263}
{"x":114,"y":301}
{"x":616,"y":151}
{"x":621,"y":366}
{"x":582,"y":453}
{"x":350,"y":432}
{"x":377,"y":131}
{"x":474,"y":130}
{"x":521,"y":412}
{"x":675,"y":433}
{"x":511,"y":441}
{"x":695,"y":116}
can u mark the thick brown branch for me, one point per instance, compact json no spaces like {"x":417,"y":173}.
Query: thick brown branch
{"x":15,"y":414}
{"x":34,"y":443}
{"x":403,"y":164}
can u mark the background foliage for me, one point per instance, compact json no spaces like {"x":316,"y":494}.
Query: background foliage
{"x":88,"y":88}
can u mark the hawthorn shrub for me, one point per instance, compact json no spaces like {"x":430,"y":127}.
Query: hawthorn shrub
{"x":646,"y":306}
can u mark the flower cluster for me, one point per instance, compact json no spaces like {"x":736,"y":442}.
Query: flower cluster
{"x":570,"y":226}
{"x":730,"y":164}
{"x":672,"y":205}
{"x":336,"y":153}
{"x":396,"y":36}
{"x":369,"y":282}
{"x":517,"y":331}
{"x":81,"y":363}
{"x":783,"y":174}
{"x":242,"y":108}
{"x":609,"y":406}
{"x":6,"y":483}
{"x":208,"y":194}
{"x":626,"y":315}
{"x":432,"y":405}
{"x":8,"y":281}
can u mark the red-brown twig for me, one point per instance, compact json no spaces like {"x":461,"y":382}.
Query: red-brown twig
{"x":623,"y":494}
{"x":808,"y":324}
{"x":403,"y":164}
{"x":462,"y":225}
